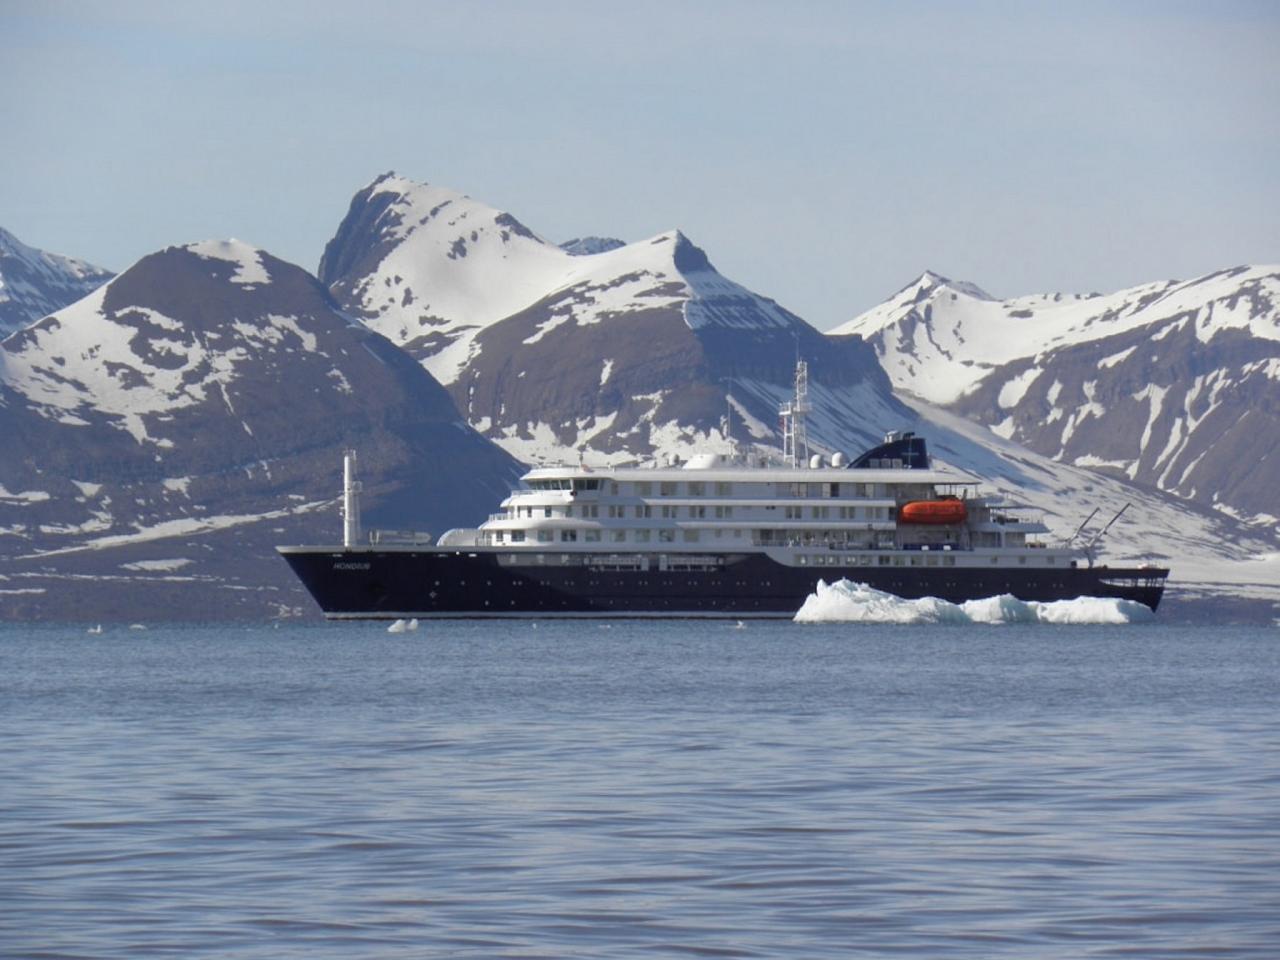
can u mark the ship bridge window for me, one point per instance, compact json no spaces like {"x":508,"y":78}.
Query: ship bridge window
{"x":723,"y":489}
{"x":584,"y":483}
{"x":697,"y":488}
{"x":667,"y":488}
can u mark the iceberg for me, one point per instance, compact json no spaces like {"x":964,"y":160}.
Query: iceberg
{"x":848,"y":602}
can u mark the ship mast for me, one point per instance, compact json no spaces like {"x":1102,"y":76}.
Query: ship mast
{"x":350,"y":500}
{"x":795,"y":441}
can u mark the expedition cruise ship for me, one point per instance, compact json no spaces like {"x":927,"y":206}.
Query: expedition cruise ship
{"x":718,"y":535}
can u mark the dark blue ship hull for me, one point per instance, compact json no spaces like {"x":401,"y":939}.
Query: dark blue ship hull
{"x":428,"y":582}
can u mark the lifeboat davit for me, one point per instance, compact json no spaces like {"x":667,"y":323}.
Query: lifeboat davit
{"x":946,"y":510}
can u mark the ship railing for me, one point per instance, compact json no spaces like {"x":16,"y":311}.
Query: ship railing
{"x":617,"y":561}
{"x":821,"y":544}
{"x":418,"y":537}
{"x":678,"y":561}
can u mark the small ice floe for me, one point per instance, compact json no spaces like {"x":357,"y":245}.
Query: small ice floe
{"x":739,"y":625}
{"x":401,"y":626}
{"x":95,"y":630}
{"x":137,"y":626}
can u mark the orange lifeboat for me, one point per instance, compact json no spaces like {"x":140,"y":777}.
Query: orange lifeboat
{"x":946,"y":510}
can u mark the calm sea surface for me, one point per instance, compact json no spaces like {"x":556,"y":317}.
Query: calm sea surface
{"x":640,"y":790}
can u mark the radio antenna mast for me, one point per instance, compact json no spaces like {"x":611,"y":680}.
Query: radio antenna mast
{"x":795,"y":441}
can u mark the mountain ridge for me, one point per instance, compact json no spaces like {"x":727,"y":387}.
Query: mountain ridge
{"x":205,"y":397}
{"x":35,"y":283}
{"x":1171,"y":383}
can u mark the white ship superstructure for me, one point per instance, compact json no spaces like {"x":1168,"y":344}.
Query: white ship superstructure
{"x":820,"y":514}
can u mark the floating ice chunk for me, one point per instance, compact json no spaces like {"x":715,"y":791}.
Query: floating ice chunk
{"x":1093,"y":610}
{"x":398,"y":627}
{"x":848,"y":602}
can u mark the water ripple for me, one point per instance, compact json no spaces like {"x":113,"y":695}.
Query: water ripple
{"x":653,"y":790}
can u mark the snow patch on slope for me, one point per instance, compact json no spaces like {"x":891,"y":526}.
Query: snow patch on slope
{"x":248,"y":260}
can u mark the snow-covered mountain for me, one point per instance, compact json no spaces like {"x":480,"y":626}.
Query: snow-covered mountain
{"x":640,"y":349}
{"x":33,"y":283}
{"x":192,"y":413}
{"x":621,"y":349}
{"x":1175,"y":385}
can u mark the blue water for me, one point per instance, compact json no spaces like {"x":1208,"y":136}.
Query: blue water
{"x":640,"y":790}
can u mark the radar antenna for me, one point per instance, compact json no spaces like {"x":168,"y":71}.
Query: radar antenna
{"x":795,"y":441}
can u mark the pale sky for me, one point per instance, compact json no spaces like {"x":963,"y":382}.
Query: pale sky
{"x":822,"y":153}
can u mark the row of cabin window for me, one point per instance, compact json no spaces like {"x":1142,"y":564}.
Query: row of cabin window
{"x":698,"y":488}
{"x":777,"y":537}
{"x":882,"y":560}
{"x":899,"y":560}
{"x":701,"y":488}
{"x":598,"y":536}
{"x":617,"y":511}
{"x":692,"y":536}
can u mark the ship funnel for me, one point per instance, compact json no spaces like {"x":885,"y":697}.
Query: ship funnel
{"x":350,"y":500}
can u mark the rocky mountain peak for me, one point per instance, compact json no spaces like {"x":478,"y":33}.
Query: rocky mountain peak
{"x":931,"y":283}
{"x":589,"y":246}
{"x":34,"y":283}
